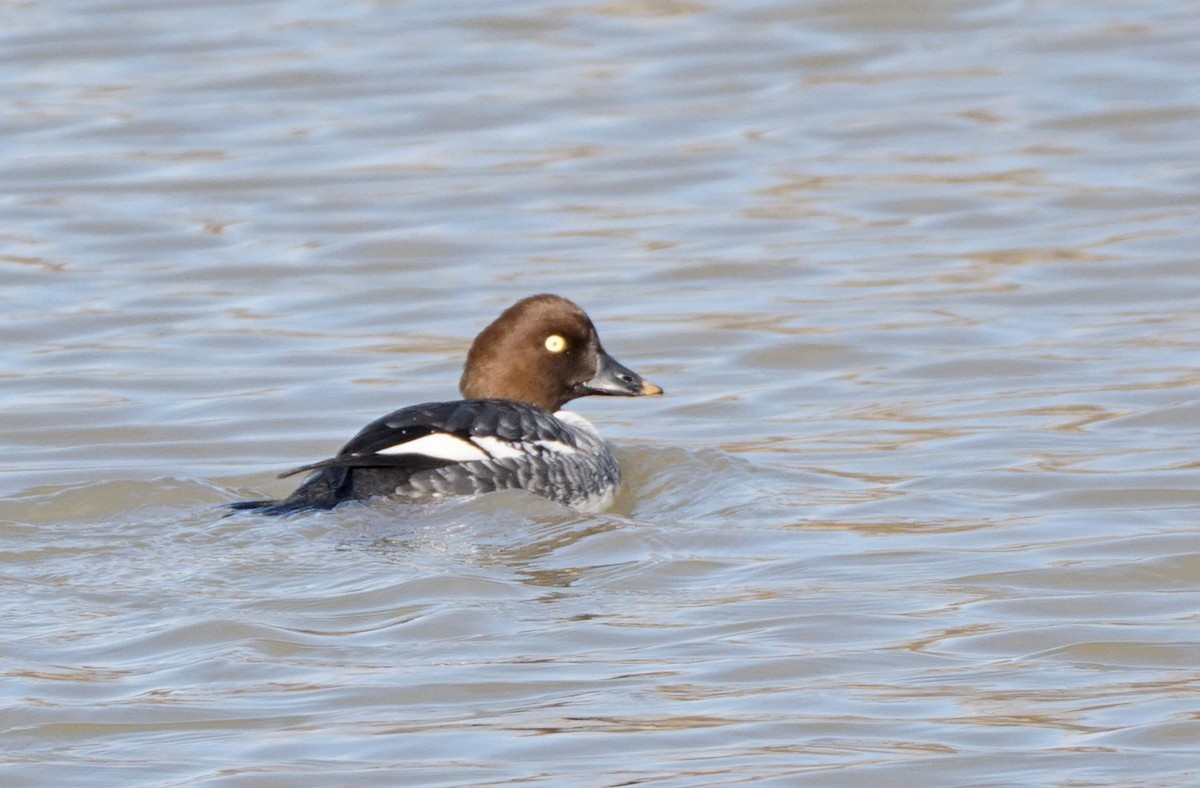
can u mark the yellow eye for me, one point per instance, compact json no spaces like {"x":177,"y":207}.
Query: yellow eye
{"x":555,"y":343}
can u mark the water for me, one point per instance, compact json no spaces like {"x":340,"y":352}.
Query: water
{"x":920,"y":281}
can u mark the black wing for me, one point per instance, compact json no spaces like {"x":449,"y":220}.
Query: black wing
{"x":514,"y":422}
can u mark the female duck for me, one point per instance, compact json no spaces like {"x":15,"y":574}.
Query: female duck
{"x":508,"y":432}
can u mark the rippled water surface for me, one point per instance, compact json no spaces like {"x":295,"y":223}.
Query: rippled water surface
{"x":922,"y":283}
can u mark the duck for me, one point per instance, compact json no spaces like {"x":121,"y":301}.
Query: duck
{"x":509,"y":431}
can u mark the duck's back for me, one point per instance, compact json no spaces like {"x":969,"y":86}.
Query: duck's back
{"x":465,"y":447}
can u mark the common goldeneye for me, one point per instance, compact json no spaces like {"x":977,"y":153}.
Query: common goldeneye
{"x":508,"y":432}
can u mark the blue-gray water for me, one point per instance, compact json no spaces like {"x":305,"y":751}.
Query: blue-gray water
{"x":922,"y":284}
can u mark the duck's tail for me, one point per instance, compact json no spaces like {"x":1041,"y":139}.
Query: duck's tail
{"x":269,"y":507}
{"x":324,"y":489}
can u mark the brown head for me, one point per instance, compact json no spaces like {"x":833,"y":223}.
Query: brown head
{"x":544,"y":350}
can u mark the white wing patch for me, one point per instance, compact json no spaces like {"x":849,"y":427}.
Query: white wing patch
{"x":439,"y":445}
{"x":497,"y":448}
{"x":444,"y":446}
{"x":558,"y":447}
